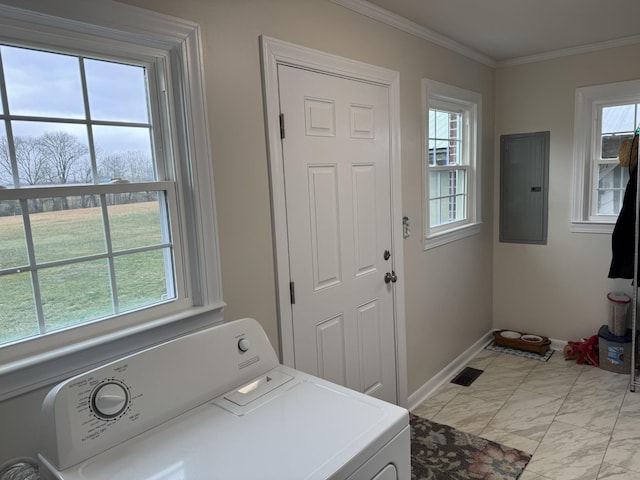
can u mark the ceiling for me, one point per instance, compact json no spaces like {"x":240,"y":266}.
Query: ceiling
{"x":508,"y":30}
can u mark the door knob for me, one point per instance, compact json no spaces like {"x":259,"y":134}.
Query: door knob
{"x":390,"y":277}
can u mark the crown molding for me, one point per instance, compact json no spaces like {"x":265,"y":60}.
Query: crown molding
{"x":380,"y":14}
{"x":565,"y":52}
{"x":377,"y":13}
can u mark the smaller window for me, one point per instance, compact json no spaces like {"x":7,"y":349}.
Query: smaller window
{"x":614,"y":123}
{"x":605,"y":115}
{"x":451,"y":172}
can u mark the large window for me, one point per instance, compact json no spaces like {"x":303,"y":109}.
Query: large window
{"x":107,"y":224}
{"x":605,"y":116}
{"x":451,"y":163}
{"x":85,"y":223}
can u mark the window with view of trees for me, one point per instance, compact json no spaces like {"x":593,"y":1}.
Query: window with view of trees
{"x":451,"y":162}
{"x":85,"y":201}
{"x":108,"y":237}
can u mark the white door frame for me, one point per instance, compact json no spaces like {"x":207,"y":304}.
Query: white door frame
{"x":276,"y":52}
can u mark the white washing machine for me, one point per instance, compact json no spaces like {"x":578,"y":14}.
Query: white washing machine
{"x":216,"y":404}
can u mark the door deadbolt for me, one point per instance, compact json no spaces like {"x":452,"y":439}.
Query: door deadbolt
{"x":390,"y":277}
{"x":387,"y":255}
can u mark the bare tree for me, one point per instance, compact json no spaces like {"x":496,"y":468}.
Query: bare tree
{"x":33,"y":167}
{"x":132,"y":166}
{"x":65,"y":154}
{"x":6,"y":171}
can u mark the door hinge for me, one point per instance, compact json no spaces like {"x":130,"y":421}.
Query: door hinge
{"x":282,"y":125}
{"x":292,"y":292}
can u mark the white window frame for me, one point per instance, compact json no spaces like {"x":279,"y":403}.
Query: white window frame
{"x":440,"y":95}
{"x":115,"y":29}
{"x":588,"y":102}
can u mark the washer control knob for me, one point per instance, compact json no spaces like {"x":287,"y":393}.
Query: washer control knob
{"x":244,"y":344}
{"x":110,"y":400}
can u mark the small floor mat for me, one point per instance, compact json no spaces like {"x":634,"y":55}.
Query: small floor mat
{"x":520,"y":353}
{"x":467,"y":376}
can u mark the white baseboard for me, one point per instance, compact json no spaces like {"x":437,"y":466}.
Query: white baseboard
{"x":448,"y":372}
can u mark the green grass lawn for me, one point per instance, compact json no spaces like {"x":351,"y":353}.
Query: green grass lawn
{"x":78,"y":292}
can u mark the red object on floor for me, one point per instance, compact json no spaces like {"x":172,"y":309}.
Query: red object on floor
{"x":585,"y":351}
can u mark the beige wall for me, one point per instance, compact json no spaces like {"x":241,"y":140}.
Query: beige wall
{"x":559,"y":289}
{"x":448,"y":290}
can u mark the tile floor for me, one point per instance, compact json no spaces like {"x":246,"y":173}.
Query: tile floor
{"x":578,"y":421}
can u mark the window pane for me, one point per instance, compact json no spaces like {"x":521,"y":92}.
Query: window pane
{"x":620,"y":118}
{"x":612,"y":181}
{"x":432,"y":123}
{"x":141,"y":278}
{"x":442,"y":152}
{"x":75,"y":293}
{"x":17,"y":309}
{"x":438,"y":184}
{"x":432,"y":152}
{"x":442,"y":124}
{"x":51,"y":153}
{"x":460,"y":182}
{"x":6,"y":170}
{"x":454,"y":153}
{"x":135,"y":220}
{"x":434,"y":212}
{"x":42,"y":84}
{"x":116,"y":91}
{"x":13,"y":248}
{"x":447,"y":196}
{"x":460,"y":208}
{"x":124,"y":153}
{"x":66,"y":227}
{"x":611,"y":145}
{"x":444,"y":211}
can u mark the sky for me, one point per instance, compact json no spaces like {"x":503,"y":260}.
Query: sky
{"x":43,"y":84}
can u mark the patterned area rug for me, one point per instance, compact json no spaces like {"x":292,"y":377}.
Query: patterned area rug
{"x":440,"y":452}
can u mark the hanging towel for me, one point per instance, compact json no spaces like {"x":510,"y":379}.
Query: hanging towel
{"x":623,"y":237}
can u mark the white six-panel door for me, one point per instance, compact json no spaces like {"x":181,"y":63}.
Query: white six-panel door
{"x":336,"y":167}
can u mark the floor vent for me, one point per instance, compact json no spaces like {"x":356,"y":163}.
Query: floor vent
{"x":467,"y":376}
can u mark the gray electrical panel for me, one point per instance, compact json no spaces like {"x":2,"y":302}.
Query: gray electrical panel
{"x":524,"y":183}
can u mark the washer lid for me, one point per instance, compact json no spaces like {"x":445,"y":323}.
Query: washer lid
{"x":312,"y":430}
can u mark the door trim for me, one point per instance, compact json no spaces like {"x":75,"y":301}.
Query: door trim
{"x":276,"y":52}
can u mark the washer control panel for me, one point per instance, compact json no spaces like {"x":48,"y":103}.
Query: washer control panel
{"x":110,"y":399}
{"x":92,"y":412}
{"x":244,"y":344}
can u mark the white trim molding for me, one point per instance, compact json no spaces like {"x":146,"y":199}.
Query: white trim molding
{"x":385,"y":16}
{"x":276,"y":52}
{"x":448,"y":372}
{"x":401,"y":23}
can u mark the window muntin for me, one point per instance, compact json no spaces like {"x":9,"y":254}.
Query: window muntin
{"x":451,"y":162}
{"x":95,"y":236}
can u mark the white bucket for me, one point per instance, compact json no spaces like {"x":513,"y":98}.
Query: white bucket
{"x":618,"y":306}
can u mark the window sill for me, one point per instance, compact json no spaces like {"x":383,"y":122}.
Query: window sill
{"x":442,"y":238}
{"x":591,"y":227}
{"x":44,"y":370}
